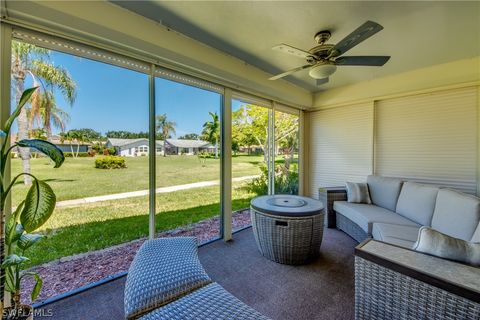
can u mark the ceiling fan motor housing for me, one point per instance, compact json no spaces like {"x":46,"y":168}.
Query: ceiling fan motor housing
{"x":323,"y":70}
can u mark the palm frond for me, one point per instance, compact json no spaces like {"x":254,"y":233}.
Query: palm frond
{"x":56,"y":76}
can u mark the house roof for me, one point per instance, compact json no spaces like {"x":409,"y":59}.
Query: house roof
{"x":123,"y":142}
{"x":184,"y":143}
{"x":179,"y":143}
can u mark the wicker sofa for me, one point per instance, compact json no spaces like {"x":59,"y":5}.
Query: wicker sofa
{"x":399,"y":209}
{"x":167,"y":281}
{"x":392,"y":281}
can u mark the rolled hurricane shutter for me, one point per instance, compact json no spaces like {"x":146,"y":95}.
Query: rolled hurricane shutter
{"x":341,"y":146}
{"x":429,"y":138}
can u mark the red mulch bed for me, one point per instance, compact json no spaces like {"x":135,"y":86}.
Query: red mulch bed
{"x":74,"y":272}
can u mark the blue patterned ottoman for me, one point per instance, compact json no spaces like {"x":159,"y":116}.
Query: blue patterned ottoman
{"x":167,"y":281}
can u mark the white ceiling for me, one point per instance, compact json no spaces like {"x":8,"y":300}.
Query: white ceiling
{"x":416,"y":34}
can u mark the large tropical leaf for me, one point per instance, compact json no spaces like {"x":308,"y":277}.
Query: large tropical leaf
{"x":26,"y":95}
{"x":45,"y":147}
{"x":14,"y":230}
{"x":9,"y":280}
{"x":39,"y":205}
{"x":38,"y":284}
{"x":28,"y":240}
{"x":13,"y":260}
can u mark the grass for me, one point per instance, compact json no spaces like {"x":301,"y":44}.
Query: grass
{"x":100,"y":225}
{"x":77,"y":178}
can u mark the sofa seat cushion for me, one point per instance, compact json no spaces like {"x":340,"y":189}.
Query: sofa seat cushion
{"x":163,"y":270}
{"x":384,"y":191}
{"x":364,"y":215}
{"x":404,"y":236}
{"x":456,"y":214}
{"x":417,"y":202}
{"x":210,"y":302}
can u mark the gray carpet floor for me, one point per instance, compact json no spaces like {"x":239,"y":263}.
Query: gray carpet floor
{"x":323,"y":289}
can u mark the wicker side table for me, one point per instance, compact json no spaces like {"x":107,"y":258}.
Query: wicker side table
{"x":288,"y":229}
{"x":327,"y":196}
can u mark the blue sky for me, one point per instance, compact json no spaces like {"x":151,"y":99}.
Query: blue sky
{"x":113,"y":98}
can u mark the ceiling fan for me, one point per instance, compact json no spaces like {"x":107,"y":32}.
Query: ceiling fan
{"x":323,"y":59}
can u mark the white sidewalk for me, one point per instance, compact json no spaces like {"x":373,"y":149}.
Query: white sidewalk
{"x":201,"y":184}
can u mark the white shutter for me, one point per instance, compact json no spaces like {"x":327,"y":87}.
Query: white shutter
{"x":77,"y":49}
{"x":341,"y":146}
{"x":430,"y":138}
{"x":251,"y":99}
{"x":188,"y":80}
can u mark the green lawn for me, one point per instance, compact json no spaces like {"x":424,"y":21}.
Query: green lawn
{"x":77,"y":178}
{"x":100,"y":225}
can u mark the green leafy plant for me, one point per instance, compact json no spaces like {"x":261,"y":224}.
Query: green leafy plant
{"x":110,"y":162}
{"x":286,"y":180}
{"x":31,"y":213}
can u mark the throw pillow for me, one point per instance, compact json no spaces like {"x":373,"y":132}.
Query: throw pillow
{"x":438,"y":244}
{"x":358,"y":193}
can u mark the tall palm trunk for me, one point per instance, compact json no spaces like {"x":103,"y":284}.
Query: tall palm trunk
{"x":216,"y":148}
{"x":164,"y":144}
{"x":22,"y":121}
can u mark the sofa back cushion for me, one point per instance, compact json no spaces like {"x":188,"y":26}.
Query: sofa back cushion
{"x":384,"y":191}
{"x":417,"y":202}
{"x":456,"y":214}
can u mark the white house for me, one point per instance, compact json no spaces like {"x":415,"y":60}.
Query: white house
{"x":133,"y":147}
{"x":139,"y":147}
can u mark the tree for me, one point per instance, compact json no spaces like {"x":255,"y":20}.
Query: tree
{"x":190,"y":136}
{"x":67,"y":136}
{"x":165,"y":128}
{"x":250,"y":126}
{"x":33,"y":61}
{"x":45,"y":113}
{"x":211,"y":131}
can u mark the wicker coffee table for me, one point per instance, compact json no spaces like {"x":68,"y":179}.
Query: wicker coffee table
{"x":288,"y":229}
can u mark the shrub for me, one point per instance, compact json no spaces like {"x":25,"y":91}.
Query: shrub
{"x":110,"y":162}
{"x":286,"y":181}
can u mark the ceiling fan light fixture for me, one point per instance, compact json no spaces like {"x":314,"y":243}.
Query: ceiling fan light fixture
{"x":322,"y":71}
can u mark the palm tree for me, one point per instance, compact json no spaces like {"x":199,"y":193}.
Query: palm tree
{"x":211,"y":129}
{"x":33,"y":61}
{"x":46,"y":113}
{"x":166,"y":128}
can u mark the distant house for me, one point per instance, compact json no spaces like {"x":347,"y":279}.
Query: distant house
{"x":66,"y":146}
{"x":139,"y":147}
{"x":133,"y":147}
{"x":188,"y":147}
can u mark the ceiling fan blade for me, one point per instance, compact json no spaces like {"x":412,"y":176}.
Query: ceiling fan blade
{"x":319,"y":82}
{"x":286,"y":73}
{"x":285,"y":48}
{"x":362,"y":61}
{"x":362,"y":33}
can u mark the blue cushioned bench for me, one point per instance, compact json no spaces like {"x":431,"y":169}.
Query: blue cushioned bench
{"x":167,"y":281}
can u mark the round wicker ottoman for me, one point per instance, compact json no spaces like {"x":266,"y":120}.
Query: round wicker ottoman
{"x":288,"y":229}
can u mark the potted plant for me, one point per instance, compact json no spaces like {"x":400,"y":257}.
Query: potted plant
{"x":29,"y":215}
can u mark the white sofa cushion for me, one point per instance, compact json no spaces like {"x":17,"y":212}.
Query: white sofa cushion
{"x":432,"y":242}
{"x":404,"y":236}
{"x":417,"y":202}
{"x":384,"y":191}
{"x":364,"y":215}
{"x":358,"y":193}
{"x":456,"y":214}
{"x":476,"y":234}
